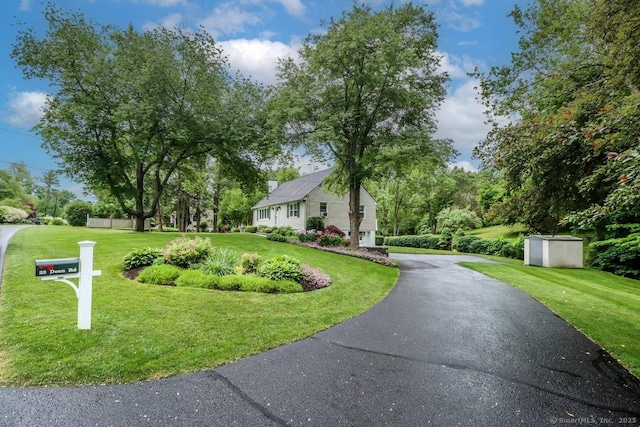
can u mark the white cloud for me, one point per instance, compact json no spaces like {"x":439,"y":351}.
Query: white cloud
{"x":457,"y":67}
{"x":25,"y":5}
{"x":461,"y":22}
{"x":257,"y":58}
{"x":472,"y":2}
{"x":464,"y":165}
{"x":293,"y":7}
{"x":461,"y":118}
{"x":228,"y":19}
{"x":26,"y":108}
{"x":170,"y":22}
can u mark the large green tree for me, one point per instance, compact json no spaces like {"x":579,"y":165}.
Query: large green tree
{"x":362,"y":94}
{"x":130,"y":108}
{"x":571,"y":94}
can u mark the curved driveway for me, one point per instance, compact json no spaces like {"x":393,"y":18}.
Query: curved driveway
{"x":447,"y":347}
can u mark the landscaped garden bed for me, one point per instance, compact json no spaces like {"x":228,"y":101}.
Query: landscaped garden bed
{"x":195,"y":262}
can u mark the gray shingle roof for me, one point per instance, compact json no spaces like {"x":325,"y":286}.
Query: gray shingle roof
{"x":292,"y":191}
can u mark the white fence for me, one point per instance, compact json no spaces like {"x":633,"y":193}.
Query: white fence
{"x":116,"y":223}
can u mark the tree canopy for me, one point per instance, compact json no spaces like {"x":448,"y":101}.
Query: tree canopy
{"x":569,"y":152}
{"x":363,"y":94}
{"x":130,"y":108}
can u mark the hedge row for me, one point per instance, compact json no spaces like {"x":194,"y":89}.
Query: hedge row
{"x":463,"y":243}
{"x":619,"y":256}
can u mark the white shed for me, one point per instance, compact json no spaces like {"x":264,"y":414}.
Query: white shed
{"x":553,"y":251}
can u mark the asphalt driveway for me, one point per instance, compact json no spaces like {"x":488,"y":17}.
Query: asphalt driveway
{"x":447,"y":347}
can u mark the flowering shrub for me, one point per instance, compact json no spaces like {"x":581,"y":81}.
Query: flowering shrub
{"x":313,"y":278}
{"x":12,"y":215}
{"x":332,"y":229}
{"x":184,"y":252}
{"x":369,"y":256}
{"x":329,"y":238}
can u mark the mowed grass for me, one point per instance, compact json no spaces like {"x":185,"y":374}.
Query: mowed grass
{"x":144,"y":331}
{"x":603,"y":306}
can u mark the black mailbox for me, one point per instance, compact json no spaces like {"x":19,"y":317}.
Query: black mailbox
{"x":57,"y":267}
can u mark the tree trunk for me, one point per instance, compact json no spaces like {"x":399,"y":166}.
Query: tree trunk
{"x":159,"y":215}
{"x":216,"y":207}
{"x":198,"y":213}
{"x":182,"y":212}
{"x":354,"y":214}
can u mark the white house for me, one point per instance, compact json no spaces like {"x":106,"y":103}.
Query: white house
{"x":293,"y":202}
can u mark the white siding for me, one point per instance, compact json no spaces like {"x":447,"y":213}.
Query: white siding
{"x":337,"y":214}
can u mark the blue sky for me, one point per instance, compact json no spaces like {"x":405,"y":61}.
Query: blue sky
{"x":253,"y":33}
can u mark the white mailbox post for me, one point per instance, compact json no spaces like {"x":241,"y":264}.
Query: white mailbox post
{"x":61,"y":270}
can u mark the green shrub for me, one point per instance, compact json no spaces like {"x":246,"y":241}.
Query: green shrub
{"x":203,"y":226}
{"x":308,"y":236}
{"x":159,"y":275}
{"x":330,"y":239}
{"x":265,"y":285}
{"x":458,"y":218}
{"x":514,"y":249}
{"x":235,"y":230}
{"x":315,"y":223}
{"x":250,"y":229}
{"x":56,"y":221}
{"x":184,"y":252}
{"x":276,"y":237}
{"x":425,"y":241}
{"x":250,"y":262}
{"x":231,"y":282}
{"x":620,"y":256}
{"x":141,"y":257}
{"x":197,"y":279}
{"x":284,"y":231}
{"x":281,"y":267}
{"x":479,"y":246}
{"x":288,"y":287}
{"x":463,"y":243}
{"x":496,"y":246}
{"x":446,"y":237}
{"x":220,"y":262}
{"x":76,"y":213}
{"x":379,"y":240}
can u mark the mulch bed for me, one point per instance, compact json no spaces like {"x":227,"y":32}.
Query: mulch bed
{"x":133,"y":273}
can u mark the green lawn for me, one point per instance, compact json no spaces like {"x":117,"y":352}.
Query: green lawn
{"x":145,"y":331}
{"x":603,"y":306}
{"x":496,"y":231}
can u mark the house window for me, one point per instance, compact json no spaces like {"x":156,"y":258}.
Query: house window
{"x":361,"y":211}
{"x":264,"y":213}
{"x":293,"y":210}
{"x":323,"y":208}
